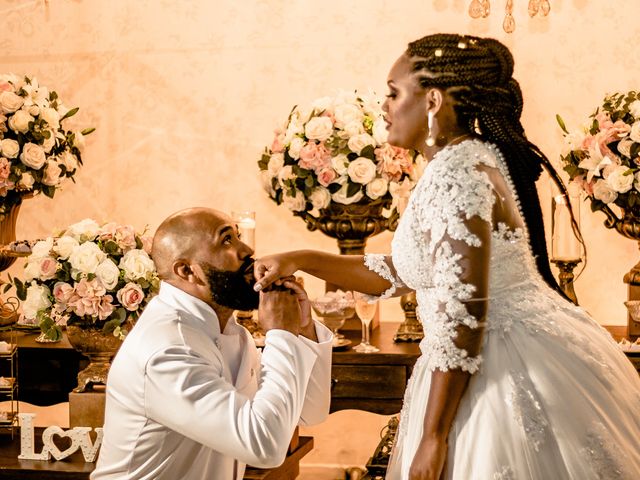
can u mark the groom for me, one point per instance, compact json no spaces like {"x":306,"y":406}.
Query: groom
{"x":188,"y":395}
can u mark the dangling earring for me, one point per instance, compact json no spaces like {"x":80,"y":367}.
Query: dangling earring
{"x":430,"y":141}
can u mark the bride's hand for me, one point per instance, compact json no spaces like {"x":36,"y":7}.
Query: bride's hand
{"x":429,"y":461}
{"x":271,"y":268}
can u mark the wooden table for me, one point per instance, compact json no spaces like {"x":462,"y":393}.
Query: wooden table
{"x":75,"y":468}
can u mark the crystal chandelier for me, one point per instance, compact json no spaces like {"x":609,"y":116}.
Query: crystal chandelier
{"x":481,"y":9}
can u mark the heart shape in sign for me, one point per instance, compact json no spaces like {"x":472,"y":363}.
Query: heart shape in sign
{"x":49,"y":443}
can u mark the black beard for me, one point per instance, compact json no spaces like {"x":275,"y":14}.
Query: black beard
{"x":232,"y":289}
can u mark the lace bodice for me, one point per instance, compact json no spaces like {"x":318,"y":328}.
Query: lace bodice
{"x":446,"y":241}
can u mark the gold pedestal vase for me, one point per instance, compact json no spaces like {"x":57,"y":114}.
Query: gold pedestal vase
{"x":8,"y":310}
{"x":629,"y":226}
{"x":100,"y":347}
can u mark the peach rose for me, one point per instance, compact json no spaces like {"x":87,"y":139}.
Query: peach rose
{"x":130,"y":296}
{"x":314,"y":156}
{"x":326,"y":176}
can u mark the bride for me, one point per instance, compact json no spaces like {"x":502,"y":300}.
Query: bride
{"x":514,"y":381}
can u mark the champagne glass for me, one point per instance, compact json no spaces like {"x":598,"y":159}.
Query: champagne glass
{"x":366,"y":310}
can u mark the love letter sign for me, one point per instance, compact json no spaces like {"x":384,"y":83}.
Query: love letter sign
{"x":79,"y":436}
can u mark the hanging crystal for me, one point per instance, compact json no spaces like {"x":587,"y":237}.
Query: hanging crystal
{"x":545,"y":7}
{"x":534,"y":7}
{"x":486,"y":5}
{"x":509,"y":24}
{"x":476,"y":9}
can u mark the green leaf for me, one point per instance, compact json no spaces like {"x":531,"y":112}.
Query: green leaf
{"x":21,"y":289}
{"x":352,"y":189}
{"x":87,"y":131}
{"x":368,"y":152}
{"x":561,"y":123}
{"x":334,"y":187}
{"x":110,"y":325}
{"x":70,"y":113}
{"x":309,"y":182}
{"x":7,"y":287}
{"x":48,"y":190}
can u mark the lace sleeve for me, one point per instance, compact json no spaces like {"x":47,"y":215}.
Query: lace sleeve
{"x":454,"y":216}
{"x":379,"y":264}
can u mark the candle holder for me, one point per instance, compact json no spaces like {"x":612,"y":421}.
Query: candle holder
{"x":411,"y":329}
{"x":566,"y":277}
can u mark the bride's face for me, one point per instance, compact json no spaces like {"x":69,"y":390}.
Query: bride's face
{"x":405,"y":107}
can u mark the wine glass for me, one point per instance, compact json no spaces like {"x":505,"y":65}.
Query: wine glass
{"x":333,"y":312}
{"x":366,"y":310}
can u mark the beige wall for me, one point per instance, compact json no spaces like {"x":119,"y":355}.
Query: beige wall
{"x":185,"y":94}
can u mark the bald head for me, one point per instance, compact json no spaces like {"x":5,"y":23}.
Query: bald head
{"x":182,"y":236}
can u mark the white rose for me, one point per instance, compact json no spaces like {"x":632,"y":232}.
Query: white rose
{"x":10,"y":102}
{"x":341,"y":195}
{"x":295,"y":146}
{"x":322,"y":104}
{"x":362,"y":170}
{"x":86,"y":258}
{"x":42,"y":248}
{"x":285,"y":174}
{"x":51,"y":116}
{"x":377,"y":188}
{"x":49,"y":143}
{"x":371,"y":104}
{"x":34,"y":110}
{"x":32,"y":269}
{"x":276,"y":162}
{"x":357,"y":143}
{"x":37,"y":299}
{"x":352,"y":129}
{"x":64,"y":246}
{"x":380,"y":132}
{"x":265,"y":178}
{"x":320,"y":198}
{"x":621,"y":179}
{"x":319,"y":128}
{"x":636,"y":183}
{"x":84,"y":230}
{"x":52,"y":173}
{"x":340,"y":164}
{"x":69,"y":160}
{"x":136,"y":264}
{"x":348,"y":113}
{"x":624,"y":147}
{"x":10,"y":148}
{"x":293,"y":129}
{"x":634,"y":134}
{"x":603,"y":192}
{"x":26,"y":181}
{"x":33,"y":156}
{"x":108,"y":273}
{"x":573,"y":141}
{"x":78,"y":140}
{"x":634,"y":108}
{"x":19,"y":122}
{"x":295,"y":204}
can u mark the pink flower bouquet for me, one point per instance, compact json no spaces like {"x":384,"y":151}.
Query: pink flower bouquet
{"x":603,"y":157}
{"x":91,"y":275}
{"x":335,"y":151}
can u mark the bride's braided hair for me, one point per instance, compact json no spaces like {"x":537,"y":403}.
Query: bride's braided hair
{"x":477,"y":72}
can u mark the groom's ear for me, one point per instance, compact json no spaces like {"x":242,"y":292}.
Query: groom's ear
{"x":183,"y":269}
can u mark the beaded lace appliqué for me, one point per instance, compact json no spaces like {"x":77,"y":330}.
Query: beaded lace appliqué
{"x":376,"y":262}
{"x":527,"y":409}
{"x":505,"y":473}
{"x":601,"y":452}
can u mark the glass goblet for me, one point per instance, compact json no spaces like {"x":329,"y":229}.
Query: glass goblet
{"x":333,"y":312}
{"x":366,"y":310}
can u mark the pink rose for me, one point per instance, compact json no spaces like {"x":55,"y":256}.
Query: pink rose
{"x":130,"y":296}
{"x":5,"y":169}
{"x":48,"y":268}
{"x":147,"y":243}
{"x":278,"y":143}
{"x":125,"y":237}
{"x":326,"y":175}
{"x":604,"y":120}
{"x":62,"y":292}
{"x":581,"y":181}
{"x":314,"y":156}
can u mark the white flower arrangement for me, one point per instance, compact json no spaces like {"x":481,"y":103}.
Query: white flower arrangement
{"x":37,"y":152}
{"x":91,"y":275}
{"x":335,"y":151}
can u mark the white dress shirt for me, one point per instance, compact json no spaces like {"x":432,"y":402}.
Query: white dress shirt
{"x":185,"y":401}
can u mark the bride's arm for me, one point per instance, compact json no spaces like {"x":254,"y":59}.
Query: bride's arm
{"x":363,"y":273}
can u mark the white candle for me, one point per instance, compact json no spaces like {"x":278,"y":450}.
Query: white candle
{"x":564,"y":243}
{"x":246,"y":227}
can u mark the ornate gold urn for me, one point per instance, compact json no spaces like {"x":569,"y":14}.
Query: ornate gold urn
{"x":629,"y":226}
{"x":351,"y":224}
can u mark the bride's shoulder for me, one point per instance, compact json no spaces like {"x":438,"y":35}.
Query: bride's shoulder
{"x":467,"y":154}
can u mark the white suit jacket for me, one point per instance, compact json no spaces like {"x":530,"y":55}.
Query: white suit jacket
{"x":185,"y":401}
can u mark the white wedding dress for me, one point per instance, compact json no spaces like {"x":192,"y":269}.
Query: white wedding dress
{"x":552,"y":396}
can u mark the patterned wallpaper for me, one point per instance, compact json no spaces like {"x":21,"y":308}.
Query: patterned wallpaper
{"x":185,"y":94}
